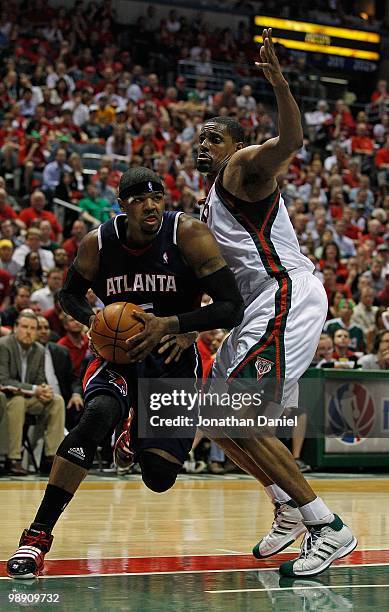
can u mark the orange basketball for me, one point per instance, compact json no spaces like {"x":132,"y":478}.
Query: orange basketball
{"x":111,"y":327}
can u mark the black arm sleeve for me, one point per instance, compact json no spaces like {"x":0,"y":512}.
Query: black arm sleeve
{"x":72,"y":296}
{"x":227,"y":308}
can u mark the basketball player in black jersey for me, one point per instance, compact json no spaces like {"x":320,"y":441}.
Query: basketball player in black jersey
{"x":163,"y":261}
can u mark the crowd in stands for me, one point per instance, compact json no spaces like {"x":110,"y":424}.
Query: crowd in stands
{"x":82,"y":99}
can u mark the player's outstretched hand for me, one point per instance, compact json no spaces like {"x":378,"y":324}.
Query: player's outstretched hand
{"x":141,"y":345}
{"x":269,"y":62}
{"x":177,"y":345}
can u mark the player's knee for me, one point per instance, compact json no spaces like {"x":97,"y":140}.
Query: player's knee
{"x":100,"y":417}
{"x":158,"y":474}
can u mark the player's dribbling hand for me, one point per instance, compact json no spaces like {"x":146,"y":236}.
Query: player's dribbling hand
{"x":141,"y":345}
{"x":269,"y":62}
{"x":177,"y":345}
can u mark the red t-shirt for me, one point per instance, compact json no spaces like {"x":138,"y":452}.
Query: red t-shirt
{"x":7,"y":212}
{"x":71,"y":247}
{"x":5,"y":285}
{"x":363,"y":143}
{"x":28,"y":215}
{"x":382,"y":157}
{"x":377,"y":239}
{"x":77,"y":353}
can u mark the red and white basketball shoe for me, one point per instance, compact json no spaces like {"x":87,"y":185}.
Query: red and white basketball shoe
{"x":28,"y":560}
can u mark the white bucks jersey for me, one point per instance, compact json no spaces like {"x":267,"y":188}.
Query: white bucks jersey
{"x":257,"y":239}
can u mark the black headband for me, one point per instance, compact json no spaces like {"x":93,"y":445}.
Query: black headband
{"x":140,"y":188}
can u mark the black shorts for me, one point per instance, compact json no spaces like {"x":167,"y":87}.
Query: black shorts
{"x":121,"y":381}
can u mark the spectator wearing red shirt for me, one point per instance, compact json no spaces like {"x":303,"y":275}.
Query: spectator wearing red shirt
{"x":331,"y":259}
{"x":147,"y":136}
{"x":5,"y":288}
{"x":331,"y":286}
{"x":6,"y":211}
{"x":373,"y":232}
{"x":343,"y":116}
{"x":163,"y":171}
{"x":381,"y":94}
{"x":36,"y":211}
{"x":71,"y":244}
{"x":76,"y":341}
{"x":352,"y":231}
{"x":361,"y":143}
{"x":383,"y":296}
{"x":382,"y":163}
{"x":341,"y":344}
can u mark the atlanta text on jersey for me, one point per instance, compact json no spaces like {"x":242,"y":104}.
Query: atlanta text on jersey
{"x":142,"y":282}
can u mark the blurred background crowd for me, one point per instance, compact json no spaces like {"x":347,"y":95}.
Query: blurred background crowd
{"x":84,"y":96}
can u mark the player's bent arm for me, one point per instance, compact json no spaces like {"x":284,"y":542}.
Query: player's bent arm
{"x":201,"y":252}
{"x":79,"y":278}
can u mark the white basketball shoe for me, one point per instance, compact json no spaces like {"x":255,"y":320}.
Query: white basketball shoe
{"x":286,"y":528}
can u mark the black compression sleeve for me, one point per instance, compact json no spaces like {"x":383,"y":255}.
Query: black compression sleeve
{"x":72,"y":296}
{"x":226,"y":310}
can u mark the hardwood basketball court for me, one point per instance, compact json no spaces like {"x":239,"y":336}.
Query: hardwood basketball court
{"x":119,"y":546}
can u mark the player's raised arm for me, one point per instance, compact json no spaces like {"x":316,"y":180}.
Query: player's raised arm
{"x":270,"y":158}
{"x":79,"y":278}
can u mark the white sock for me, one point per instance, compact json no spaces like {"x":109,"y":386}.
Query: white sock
{"x":276,"y":493}
{"x":316,"y":512}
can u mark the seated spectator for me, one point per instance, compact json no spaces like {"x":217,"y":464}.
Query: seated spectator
{"x":6,"y":211}
{"x":374,"y":275}
{"x":80,"y":178}
{"x":54,"y":170}
{"x":246,"y":100}
{"x":364,"y":313}
{"x":374,"y":231}
{"x":342,"y":353}
{"x":331,"y":259}
{"x":323,"y":355}
{"x":383,"y":296}
{"x":33,"y":243}
{"x":345,"y":310}
{"x":61,"y":260}
{"x":31,"y":273}
{"x":95,"y":210}
{"x":71,"y":245}
{"x":119,"y":145}
{"x":45,"y":296}
{"x":330,"y":284}
{"x":193,"y":178}
{"x":5,"y":288}
{"x":36,"y":211}
{"x":379,"y":358}
{"x":22,"y":378}
{"x":345,"y":244}
{"x":59,"y":373}
{"x":6,"y":261}
{"x":361,"y":144}
{"x":9,"y":230}
{"x":75,"y":340}
{"x":46,"y":236}
{"x":21,"y":301}
{"x":104,"y":191}
{"x":55,"y":317}
{"x":382,"y":163}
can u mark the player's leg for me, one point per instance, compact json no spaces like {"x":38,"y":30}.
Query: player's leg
{"x":287,"y":525}
{"x":307,"y":302}
{"x":73,"y":459}
{"x":160,"y":468}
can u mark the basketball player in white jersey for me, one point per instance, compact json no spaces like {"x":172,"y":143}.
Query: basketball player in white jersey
{"x":285,"y":311}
